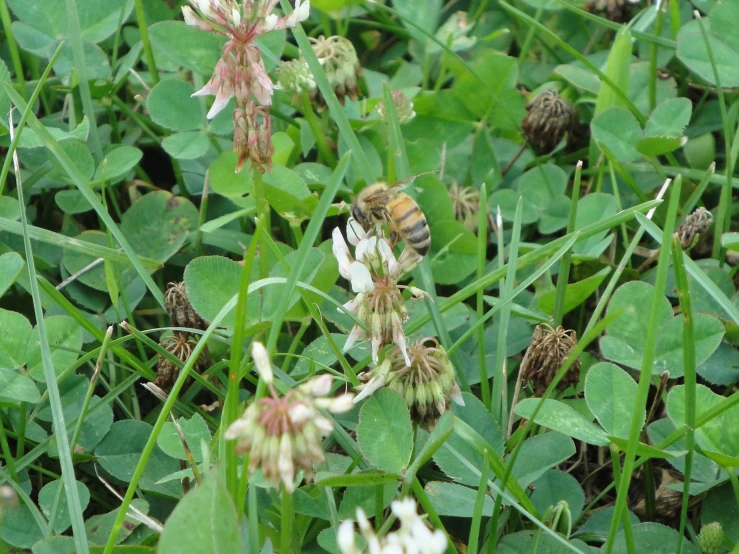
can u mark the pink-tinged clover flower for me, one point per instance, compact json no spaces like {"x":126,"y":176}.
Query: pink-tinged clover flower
{"x":283,"y":434}
{"x":241,"y":72}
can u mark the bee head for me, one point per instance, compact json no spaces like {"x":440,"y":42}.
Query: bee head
{"x":359,"y":216}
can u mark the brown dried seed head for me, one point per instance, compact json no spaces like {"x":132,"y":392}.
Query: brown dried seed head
{"x":180,"y":345}
{"x":618,"y":11}
{"x":695,"y":224}
{"x":549,"y":119}
{"x":548,"y":350}
{"x":180,"y":311}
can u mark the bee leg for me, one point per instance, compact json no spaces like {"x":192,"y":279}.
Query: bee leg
{"x":393,"y":239}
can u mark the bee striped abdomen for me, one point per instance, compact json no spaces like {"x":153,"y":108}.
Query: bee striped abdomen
{"x":410,"y":223}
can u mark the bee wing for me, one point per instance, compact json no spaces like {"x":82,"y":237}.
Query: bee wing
{"x":405,"y":183}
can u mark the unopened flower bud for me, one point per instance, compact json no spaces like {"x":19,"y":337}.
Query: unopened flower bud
{"x":261,"y":361}
{"x":295,"y":76}
{"x":711,"y":538}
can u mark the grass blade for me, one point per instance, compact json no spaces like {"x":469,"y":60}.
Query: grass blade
{"x":564,"y":269}
{"x":57,"y":411}
{"x":498,"y":401}
{"x":309,"y":238}
{"x":645,"y":376}
{"x":84,"y":187}
{"x":683,"y":294}
{"x":80,"y":66}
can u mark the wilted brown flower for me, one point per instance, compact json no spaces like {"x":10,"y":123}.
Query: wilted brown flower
{"x":618,"y":11}
{"x":427,"y":383}
{"x":549,"y":119}
{"x":180,"y":345}
{"x":544,"y":358}
{"x":695,"y":224}
{"x":466,"y":202}
{"x":179,"y":309}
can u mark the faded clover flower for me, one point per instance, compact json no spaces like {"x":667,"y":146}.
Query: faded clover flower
{"x":374,"y":276}
{"x":282,"y":434}
{"x":618,"y":11}
{"x":466,"y":203}
{"x":547,"y":352}
{"x":403,"y":107}
{"x":413,"y":536}
{"x":180,"y":345}
{"x":179,"y":309}
{"x":549,"y":118}
{"x":295,"y":76}
{"x":695,"y":224}
{"x":340,"y":63}
{"x":241,"y":72}
{"x":427,"y":383}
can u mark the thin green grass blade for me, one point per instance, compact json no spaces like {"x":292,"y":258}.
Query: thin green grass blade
{"x":70,"y":243}
{"x":683,"y":295}
{"x":695,"y":271}
{"x":606,"y":296}
{"x":84,"y":187}
{"x":309,"y":238}
{"x":482,"y":246}
{"x":337,"y":112}
{"x":397,"y":145}
{"x":57,"y":411}
{"x":26,"y":113}
{"x":698,"y":192}
{"x":645,"y":376}
{"x":498,"y":401}
{"x":723,"y":217}
{"x":526,"y":283}
{"x":646,"y":37}
{"x":504,"y":495}
{"x":532,"y":257}
{"x":231,"y":408}
{"x":476,"y":522}
{"x":564,"y":269}
{"x":80,"y":67}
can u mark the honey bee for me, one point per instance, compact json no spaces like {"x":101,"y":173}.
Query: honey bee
{"x":384,"y":203}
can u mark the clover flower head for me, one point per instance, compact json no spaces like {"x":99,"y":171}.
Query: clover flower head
{"x":426,"y":381}
{"x":374,"y":272}
{"x":403,"y":107}
{"x":413,"y":536}
{"x":241,"y":72}
{"x":283,"y":434}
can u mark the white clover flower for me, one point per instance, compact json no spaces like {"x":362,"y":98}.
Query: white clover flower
{"x":283,"y":434}
{"x":413,"y":537}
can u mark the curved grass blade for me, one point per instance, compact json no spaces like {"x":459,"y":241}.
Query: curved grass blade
{"x":84,"y":187}
{"x":309,"y":238}
{"x":329,"y":95}
{"x":57,"y":411}
{"x":532,"y":257}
